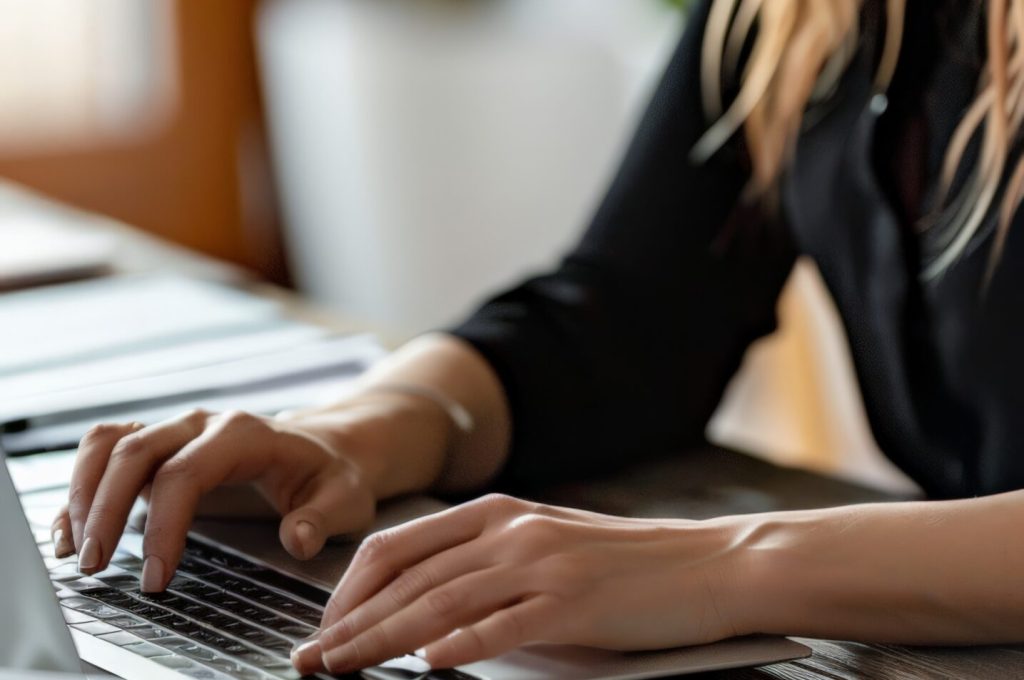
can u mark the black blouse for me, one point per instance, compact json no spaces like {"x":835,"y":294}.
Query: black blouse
{"x":623,"y":352}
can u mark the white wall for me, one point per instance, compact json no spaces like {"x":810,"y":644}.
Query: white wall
{"x":433,"y":151}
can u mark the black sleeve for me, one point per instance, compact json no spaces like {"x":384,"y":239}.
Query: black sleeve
{"x":624,"y":351}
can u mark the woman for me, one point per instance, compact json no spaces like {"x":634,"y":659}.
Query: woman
{"x":878,"y":138}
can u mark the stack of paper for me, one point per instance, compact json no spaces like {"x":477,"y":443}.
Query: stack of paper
{"x":146,"y":349}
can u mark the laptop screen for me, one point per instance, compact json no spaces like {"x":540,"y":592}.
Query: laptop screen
{"x":33,"y":635}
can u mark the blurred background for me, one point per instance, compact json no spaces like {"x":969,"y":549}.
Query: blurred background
{"x":393,"y":160}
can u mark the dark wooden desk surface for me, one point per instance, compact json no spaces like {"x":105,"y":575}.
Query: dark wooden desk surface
{"x":713,"y":482}
{"x":699,"y":484}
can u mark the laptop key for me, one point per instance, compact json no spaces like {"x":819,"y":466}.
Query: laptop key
{"x":121,"y":581}
{"x":194,"y":588}
{"x":74,"y":616}
{"x":153,"y":633}
{"x":98,"y":610}
{"x":191,"y":566}
{"x":66,"y":572}
{"x":228,"y":666}
{"x":296,"y":630}
{"x":174,"y":662}
{"x":203,"y":674}
{"x":127,"y":621}
{"x":220,"y":642}
{"x":263,"y":660}
{"x":196,"y":652}
{"x":146,"y":649}
{"x":95,"y":628}
{"x":179,"y":624}
{"x":119,"y":638}
{"x":127,"y":561}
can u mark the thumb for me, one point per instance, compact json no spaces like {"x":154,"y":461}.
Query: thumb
{"x":331,"y":505}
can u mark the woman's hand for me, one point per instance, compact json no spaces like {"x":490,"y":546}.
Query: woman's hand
{"x":322,"y":471}
{"x":496,"y":573}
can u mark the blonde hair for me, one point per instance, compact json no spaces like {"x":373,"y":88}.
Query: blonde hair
{"x":799,"y":53}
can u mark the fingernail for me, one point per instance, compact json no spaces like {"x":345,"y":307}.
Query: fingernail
{"x":89,"y":557}
{"x":154,"y":575}
{"x":307,"y":657}
{"x":306,"y":533}
{"x":62,"y":547}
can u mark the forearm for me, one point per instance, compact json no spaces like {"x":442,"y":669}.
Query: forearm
{"x":919,"y":573}
{"x":424,"y":448}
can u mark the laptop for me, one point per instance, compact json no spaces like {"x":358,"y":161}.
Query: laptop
{"x":227,"y":615}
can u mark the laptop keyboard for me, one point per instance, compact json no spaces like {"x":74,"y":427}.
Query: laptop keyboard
{"x":221,"y":616}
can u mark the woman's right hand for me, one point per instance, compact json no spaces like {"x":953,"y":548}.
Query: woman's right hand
{"x":322,"y":472}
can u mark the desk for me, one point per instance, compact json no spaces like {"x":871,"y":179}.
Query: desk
{"x":696,"y":484}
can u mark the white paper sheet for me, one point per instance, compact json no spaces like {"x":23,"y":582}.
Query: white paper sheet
{"x":60,"y":325}
{"x":158,"y":361}
{"x":317,"y":391}
{"x":321,"y":356}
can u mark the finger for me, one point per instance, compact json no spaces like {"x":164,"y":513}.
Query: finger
{"x":406,"y":589}
{"x":130,"y":466}
{"x":235,"y":448}
{"x":90,"y":463}
{"x":385,"y":554}
{"x":502,"y":631}
{"x":329,"y":504}
{"x":436,"y":613}
{"x":60,"y":534}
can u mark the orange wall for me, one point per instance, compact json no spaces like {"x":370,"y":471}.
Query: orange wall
{"x":183,"y":181}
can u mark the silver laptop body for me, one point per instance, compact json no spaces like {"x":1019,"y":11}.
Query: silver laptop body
{"x":229,"y":615}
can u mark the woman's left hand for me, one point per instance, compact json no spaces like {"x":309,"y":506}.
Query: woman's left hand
{"x":485,"y":577}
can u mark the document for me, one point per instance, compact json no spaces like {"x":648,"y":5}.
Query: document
{"x":266,"y":401}
{"x":285,"y":365}
{"x":159,"y":361}
{"x":59,"y":326}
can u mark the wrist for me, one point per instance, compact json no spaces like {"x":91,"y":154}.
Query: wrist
{"x":397,"y":441}
{"x":768,"y":572}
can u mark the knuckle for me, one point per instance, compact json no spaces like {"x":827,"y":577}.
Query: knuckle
{"x":236,"y":420}
{"x":98,"y":514}
{"x":76,"y":494}
{"x":99,"y":432}
{"x":442,"y":602}
{"x":376,"y":546}
{"x":377,"y":640}
{"x":197,"y":416}
{"x":472,"y":642}
{"x":500,"y":507}
{"x":498,"y":501}
{"x":409,"y":585}
{"x":176,"y":469}
{"x":337,"y":634}
{"x":365,"y":647}
{"x":514,"y":625}
{"x":533,"y":534}
{"x":128,"y":447}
